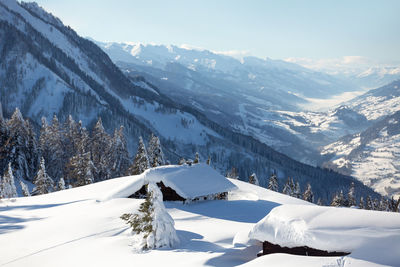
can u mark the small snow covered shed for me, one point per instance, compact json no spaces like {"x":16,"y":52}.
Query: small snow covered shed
{"x":179,"y":182}
{"x":326,"y":231}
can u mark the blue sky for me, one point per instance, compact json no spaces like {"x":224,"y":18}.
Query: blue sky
{"x":278,"y":29}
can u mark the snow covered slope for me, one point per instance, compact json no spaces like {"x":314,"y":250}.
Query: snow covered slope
{"x":79,"y":227}
{"x":371,"y":156}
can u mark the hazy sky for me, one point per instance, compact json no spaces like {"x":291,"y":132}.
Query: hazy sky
{"x":277,"y":29}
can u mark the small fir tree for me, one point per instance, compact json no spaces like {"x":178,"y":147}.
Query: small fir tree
{"x":297,"y":190}
{"x":43,"y":182}
{"x":369,"y":205}
{"x":273,"y":183}
{"x":196,"y":158}
{"x":182,"y":161}
{"x":233,"y":174}
{"x":338,"y":200}
{"x":153,"y":225}
{"x":253,"y":179}
{"x":308,"y":194}
{"x":141,"y":161}
{"x":351,"y":199}
{"x":155,"y":153}
{"x":25,"y":190}
{"x":61,"y":184}
{"x":289,"y":187}
{"x":361,"y":204}
{"x":8,"y":189}
{"x":320,"y":202}
{"x":208,"y":162}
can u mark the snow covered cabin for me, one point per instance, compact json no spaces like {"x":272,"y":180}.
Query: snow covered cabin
{"x":327,"y":231}
{"x":179,"y":183}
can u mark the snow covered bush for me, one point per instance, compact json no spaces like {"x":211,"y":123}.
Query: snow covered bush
{"x":153,"y":226}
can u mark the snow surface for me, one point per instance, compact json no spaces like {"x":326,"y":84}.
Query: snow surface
{"x":368,"y":235}
{"x":81,"y":227}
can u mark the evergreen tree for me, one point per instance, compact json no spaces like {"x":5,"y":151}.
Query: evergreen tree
{"x":338,"y":200}
{"x":61,"y":184}
{"x":253,"y":179}
{"x":297,"y":190}
{"x":141,"y":161}
{"x":273,"y":183}
{"x":22,"y":151}
{"x":25,"y":190}
{"x":384,"y":204}
{"x":119,"y":154}
{"x":196,"y":158}
{"x":351,"y":199}
{"x":289,"y":187}
{"x":361,"y":205}
{"x":155,"y":153}
{"x":233,"y":174}
{"x":376,"y":204}
{"x":80,"y":170}
{"x":308,"y":194}
{"x":208,"y":161}
{"x":43,"y":182}
{"x":369,"y":205}
{"x":319,"y":202}
{"x":153,"y":223}
{"x":100,"y":147}
{"x":8,"y":189}
{"x":182,"y":161}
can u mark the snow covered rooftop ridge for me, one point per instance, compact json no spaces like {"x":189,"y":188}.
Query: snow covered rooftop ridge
{"x":188,"y":181}
{"x":360,"y":232}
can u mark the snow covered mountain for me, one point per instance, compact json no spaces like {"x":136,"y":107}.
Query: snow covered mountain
{"x":47,"y":69}
{"x":82,"y":227}
{"x":243,"y":95}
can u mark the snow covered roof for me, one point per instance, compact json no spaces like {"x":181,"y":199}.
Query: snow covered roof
{"x":331,"y":229}
{"x":188,"y":181}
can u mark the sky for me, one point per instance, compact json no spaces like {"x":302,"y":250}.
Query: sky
{"x":359,"y":30}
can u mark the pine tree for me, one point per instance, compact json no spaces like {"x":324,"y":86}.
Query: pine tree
{"x":182,"y":161}
{"x":153,"y":223}
{"x":141,"y":161}
{"x":61,"y":184}
{"x":320,"y":202}
{"x":308,"y":194}
{"x":119,"y":154}
{"x":369,"y":205}
{"x":289,"y":187}
{"x":80,"y":170}
{"x":155,"y":153}
{"x":22,"y":151}
{"x":384,"y":204}
{"x":233,"y":174}
{"x":43,"y":182}
{"x":208,"y":161}
{"x":273,"y":183}
{"x":361,"y":204}
{"x":8,"y":189}
{"x":196,"y":158}
{"x":25,"y":190}
{"x":100,"y":147}
{"x":297,"y":190}
{"x":253,"y":179}
{"x":375,"y":204}
{"x":52,"y":149}
{"x":351,"y":199}
{"x":338,"y":200}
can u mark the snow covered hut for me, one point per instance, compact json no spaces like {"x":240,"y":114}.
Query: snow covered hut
{"x":327,"y":231}
{"x":179,"y":182}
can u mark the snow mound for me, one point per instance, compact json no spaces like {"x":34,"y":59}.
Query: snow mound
{"x":188,"y":181}
{"x":360,"y":232}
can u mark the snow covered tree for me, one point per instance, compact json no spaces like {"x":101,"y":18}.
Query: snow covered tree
{"x":289,"y":187}
{"x":22,"y":150}
{"x":182,"y":161}
{"x":61,"y":184}
{"x":52,"y":149}
{"x":100,"y":147}
{"x":384,"y":204}
{"x":319,"y":202}
{"x":119,"y":154}
{"x":155,"y":153}
{"x":233,"y":174}
{"x":43,"y":182}
{"x":361,"y":204}
{"x":338,"y":200}
{"x":25,"y":190}
{"x":308,"y":194}
{"x":8,"y":189}
{"x":208,"y":161}
{"x":351,"y":199}
{"x":196,"y":158}
{"x":153,"y":225}
{"x":297,"y":190}
{"x":273,"y":183}
{"x":375,"y":204}
{"x":253,"y":179}
{"x":80,"y":170}
{"x":141,"y":161}
{"x":369,"y":204}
